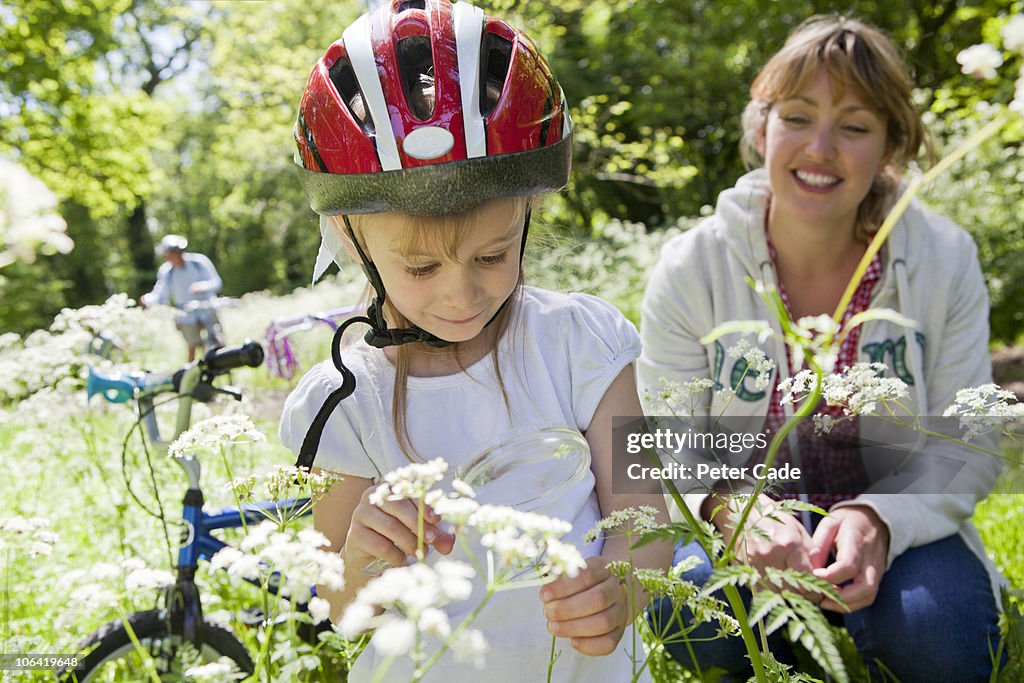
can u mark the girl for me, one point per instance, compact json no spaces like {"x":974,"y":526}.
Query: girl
{"x":423,"y":135}
{"x":832,"y":121}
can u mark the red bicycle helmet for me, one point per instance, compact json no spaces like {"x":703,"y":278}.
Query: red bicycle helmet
{"x":498,"y":126}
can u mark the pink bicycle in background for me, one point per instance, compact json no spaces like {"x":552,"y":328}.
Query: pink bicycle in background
{"x":281,"y":359}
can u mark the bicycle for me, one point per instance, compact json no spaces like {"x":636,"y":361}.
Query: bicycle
{"x":281,"y":359}
{"x":163,"y":631}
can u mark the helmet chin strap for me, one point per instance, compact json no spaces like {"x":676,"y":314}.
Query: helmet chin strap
{"x":379,"y":334}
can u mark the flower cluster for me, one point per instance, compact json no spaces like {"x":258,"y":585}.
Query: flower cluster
{"x":757,"y":363}
{"x":983,"y":60}
{"x":292,"y":560}
{"x":282,"y":482}
{"x":412,"y":598}
{"x":518,"y":539}
{"x":412,"y":481}
{"x":858,"y":388}
{"x":107,"y":583}
{"x":984,"y":408}
{"x":679,"y":399}
{"x":632,"y":521}
{"x":512,"y":538}
{"x":33,"y":531}
{"x":213,"y":433}
{"x":28,"y":217}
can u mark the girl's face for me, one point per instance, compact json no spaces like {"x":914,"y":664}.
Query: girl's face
{"x":450,"y":298}
{"x":822,"y":155}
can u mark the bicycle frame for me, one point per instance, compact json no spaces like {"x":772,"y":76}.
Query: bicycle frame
{"x":193,"y":382}
{"x":281,"y":359}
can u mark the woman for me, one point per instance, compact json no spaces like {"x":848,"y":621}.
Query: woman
{"x":831,"y":124}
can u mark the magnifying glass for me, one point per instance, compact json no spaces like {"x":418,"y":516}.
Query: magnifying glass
{"x":527,"y":469}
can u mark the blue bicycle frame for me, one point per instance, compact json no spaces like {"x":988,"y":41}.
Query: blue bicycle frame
{"x":194,"y":382}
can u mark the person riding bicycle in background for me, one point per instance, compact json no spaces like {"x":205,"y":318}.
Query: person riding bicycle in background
{"x":189,"y":282}
{"x":424,"y":135}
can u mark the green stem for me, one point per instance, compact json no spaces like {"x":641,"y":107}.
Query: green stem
{"x":147,"y":661}
{"x":806,"y":408}
{"x":551,"y":659}
{"x":458,"y":631}
{"x":382,"y":670}
{"x":990,"y":129}
{"x":7,"y":601}
{"x":731,"y":594}
{"x":419,"y":529}
{"x":264,"y":656}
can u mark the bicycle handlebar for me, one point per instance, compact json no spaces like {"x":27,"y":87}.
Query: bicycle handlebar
{"x":122,"y":387}
{"x":221,"y":360}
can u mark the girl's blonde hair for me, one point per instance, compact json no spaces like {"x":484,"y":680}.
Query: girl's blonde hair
{"x":855,"y":55}
{"x":442,"y":235}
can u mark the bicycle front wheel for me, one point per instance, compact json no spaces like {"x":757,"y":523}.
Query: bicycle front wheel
{"x":113,"y":656}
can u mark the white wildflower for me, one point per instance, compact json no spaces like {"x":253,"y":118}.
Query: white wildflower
{"x":394,"y":638}
{"x":215,"y":432}
{"x":631,"y":520}
{"x":980,"y":61}
{"x":434,"y":622}
{"x":984,"y":408}
{"x":293,"y":558}
{"x":678,"y":399}
{"x":357,"y":618}
{"x":462,"y":488}
{"x":28,"y":217}
{"x":412,"y":481}
{"x":823,"y":423}
{"x":455,"y":510}
{"x":1013,"y":34}
{"x":796,"y":387}
{"x":759,"y":365}
{"x":411,"y":597}
{"x":470,"y":646}
{"x":214,"y":671}
{"x":858,"y":389}
{"x":561,"y":559}
{"x":319,"y":609}
{"x":148,"y":578}
{"x":1017,"y":104}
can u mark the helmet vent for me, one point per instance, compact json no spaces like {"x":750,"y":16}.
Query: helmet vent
{"x":344,"y":80}
{"x":496,"y":55}
{"x":416,"y":66}
{"x":412,"y":4}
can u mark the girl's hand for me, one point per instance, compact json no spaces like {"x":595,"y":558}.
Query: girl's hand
{"x":389,"y":532}
{"x":859,"y":540}
{"x":592,"y":610}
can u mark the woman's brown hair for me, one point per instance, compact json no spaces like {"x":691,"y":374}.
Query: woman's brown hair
{"x":855,"y":55}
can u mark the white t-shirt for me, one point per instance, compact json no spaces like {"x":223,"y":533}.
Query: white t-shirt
{"x":558,"y":357}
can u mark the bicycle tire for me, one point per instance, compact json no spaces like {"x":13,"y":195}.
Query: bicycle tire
{"x":110,"y":647}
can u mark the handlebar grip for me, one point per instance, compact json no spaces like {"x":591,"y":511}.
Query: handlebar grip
{"x":221,"y":360}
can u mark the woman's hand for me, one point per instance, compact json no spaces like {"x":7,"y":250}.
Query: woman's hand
{"x":592,"y":610}
{"x":859,"y":541}
{"x":388,"y":532}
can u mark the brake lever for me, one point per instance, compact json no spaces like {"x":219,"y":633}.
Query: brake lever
{"x":233,"y":392}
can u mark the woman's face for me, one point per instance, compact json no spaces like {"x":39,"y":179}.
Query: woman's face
{"x":822,"y":155}
{"x":450,"y":298}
